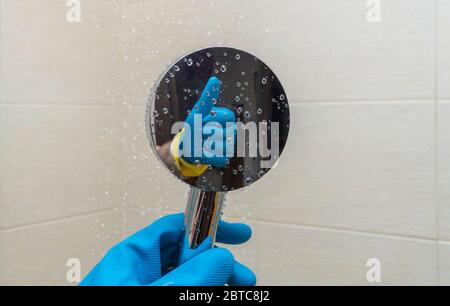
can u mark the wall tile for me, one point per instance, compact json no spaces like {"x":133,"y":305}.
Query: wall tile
{"x":77,"y":179}
{"x":443,"y":49}
{"x":45,"y":249}
{"x":3,"y":263}
{"x":46,"y":59}
{"x":327,"y":50}
{"x":56,"y":162}
{"x":296,"y":255}
{"x":443,"y":154}
{"x":360,"y":166}
{"x":147,"y":186}
{"x":157,"y":33}
{"x":444,"y":263}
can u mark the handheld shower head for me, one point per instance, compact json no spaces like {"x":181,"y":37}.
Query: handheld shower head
{"x":218,"y":119}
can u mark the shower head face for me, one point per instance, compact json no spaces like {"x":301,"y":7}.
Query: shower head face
{"x":248,"y":91}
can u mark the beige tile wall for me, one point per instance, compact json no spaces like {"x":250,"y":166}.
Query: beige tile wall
{"x":60,"y":84}
{"x":365,"y":171}
{"x":443,"y":45}
{"x":332,"y":41}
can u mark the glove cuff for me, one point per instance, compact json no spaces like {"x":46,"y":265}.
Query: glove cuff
{"x":185,"y":168}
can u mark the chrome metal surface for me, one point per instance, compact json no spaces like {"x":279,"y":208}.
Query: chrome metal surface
{"x":202,"y":215}
{"x":253,"y":92}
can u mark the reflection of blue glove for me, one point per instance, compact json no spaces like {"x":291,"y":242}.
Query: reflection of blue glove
{"x":149,"y":257}
{"x":214,"y":134}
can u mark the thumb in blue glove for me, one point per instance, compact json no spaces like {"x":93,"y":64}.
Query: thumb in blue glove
{"x":209,"y":128}
{"x":150,"y":257}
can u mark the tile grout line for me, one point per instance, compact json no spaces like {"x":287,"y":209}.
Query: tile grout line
{"x":42,"y":105}
{"x":360,"y":101}
{"x":338,"y":230}
{"x":56,"y":220}
{"x":436,"y":141}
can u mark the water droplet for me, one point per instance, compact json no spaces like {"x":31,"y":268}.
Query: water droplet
{"x":264,"y":81}
{"x":234,"y":171}
{"x":223,"y":68}
{"x":239,"y":110}
{"x":167,"y":80}
{"x":155,"y":113}
{"x":165,"y":110}
{"x":190,"y":62}
{"x":213,"y":113}
{"x":237,"y":99}
{"x":238,"y":84}
{"x":208,"y":54}
{"x":238,"y":56}
{"x":248,"y":180}
{"x":176,"y":68}
{"x":259,"y":111}
{"x":282,"y":97}
{"x":243,"y":73}
{"x":261,"y":173}
{"x":240,"y":168}
{"x":224,"y":187}
{"x":214,"y":101}
{"x":247,"y":114}
{"x":204,"y":179}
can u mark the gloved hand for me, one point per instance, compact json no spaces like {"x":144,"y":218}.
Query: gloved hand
{"x":150,"y":256}
{"x":213,"y":130}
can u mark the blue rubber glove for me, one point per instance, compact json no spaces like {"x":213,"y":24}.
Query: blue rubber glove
{"x":214,"y":116}
{"x":149,"y":257}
